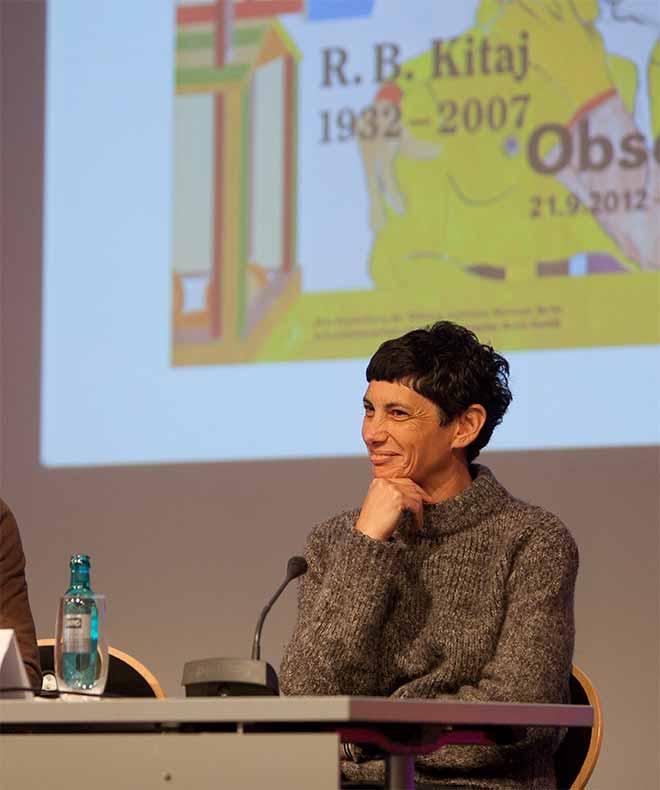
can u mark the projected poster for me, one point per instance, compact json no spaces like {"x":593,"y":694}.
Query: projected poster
{"x":347,"y":169}
{"x":243,"y":199}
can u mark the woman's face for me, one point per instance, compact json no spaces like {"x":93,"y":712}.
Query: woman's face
{"x":403,"y":434}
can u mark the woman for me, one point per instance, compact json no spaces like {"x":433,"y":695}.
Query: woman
{"x":441,"y":585}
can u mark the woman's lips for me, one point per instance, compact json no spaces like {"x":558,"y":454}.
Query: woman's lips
{"x":381,"y":458}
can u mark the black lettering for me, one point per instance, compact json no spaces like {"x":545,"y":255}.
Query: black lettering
{"x":524,"y":57}
{"x":392,"y":115}
{"x":534,"y":145}
{"x":640,"y":198}
{"x":387,"y":65}
{"x":484,"y":56}
{"x":586,"y":146}
{"x":441,"y":57}
{"x":469,"y":57}
{"x":334,"y":61}
{"x":503,"y":59}
{"x":637,"y":152}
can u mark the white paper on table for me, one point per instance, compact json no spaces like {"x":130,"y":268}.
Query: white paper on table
{"x":12,"y":669}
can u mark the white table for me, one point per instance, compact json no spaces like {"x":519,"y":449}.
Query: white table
{"x":247,"y":743}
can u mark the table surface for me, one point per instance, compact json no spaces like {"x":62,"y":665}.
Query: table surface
{"x":292,"y":710}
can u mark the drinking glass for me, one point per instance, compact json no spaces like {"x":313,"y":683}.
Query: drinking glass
{"x":81,"y":648}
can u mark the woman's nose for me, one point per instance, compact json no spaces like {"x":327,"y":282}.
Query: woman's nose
{"x":373,"y":430}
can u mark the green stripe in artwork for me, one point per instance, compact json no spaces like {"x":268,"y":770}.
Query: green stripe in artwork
{"x":205,"y":39}
{"x":243,"y":37}
{"x":196,"y":39}
{"x":211,"y":76}
{"x":244,"y":202}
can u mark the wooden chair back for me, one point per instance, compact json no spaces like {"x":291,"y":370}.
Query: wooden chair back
{"x":578,"y":752}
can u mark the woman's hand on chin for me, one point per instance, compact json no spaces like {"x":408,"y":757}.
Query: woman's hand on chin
{"x":386,"y":501}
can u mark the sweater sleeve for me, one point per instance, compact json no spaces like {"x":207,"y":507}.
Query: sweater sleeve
{"x":343,"y":600}
{"x":14,"y":604}
{"x":532,"y":659}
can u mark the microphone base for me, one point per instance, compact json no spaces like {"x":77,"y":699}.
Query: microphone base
{"x":229,"y":677}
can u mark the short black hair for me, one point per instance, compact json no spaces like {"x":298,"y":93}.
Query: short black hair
{"x":447,"y":364}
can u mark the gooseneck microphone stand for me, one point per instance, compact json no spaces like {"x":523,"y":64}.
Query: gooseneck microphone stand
{"x":240,"y":677}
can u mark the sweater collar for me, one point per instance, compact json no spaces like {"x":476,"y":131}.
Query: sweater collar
{"x":462,"y":511}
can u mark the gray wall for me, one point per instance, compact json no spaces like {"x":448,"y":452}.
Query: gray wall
{"x":188,"y":554}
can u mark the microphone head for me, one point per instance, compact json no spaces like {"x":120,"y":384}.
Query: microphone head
{"x":295,"y":567}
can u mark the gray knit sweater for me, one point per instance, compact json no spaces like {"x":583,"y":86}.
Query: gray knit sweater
{"x":477,"y":606}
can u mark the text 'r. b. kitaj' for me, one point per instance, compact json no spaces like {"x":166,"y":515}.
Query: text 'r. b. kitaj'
{"x":450,"y":59}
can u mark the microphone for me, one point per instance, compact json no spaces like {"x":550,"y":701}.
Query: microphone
{"x":240,"y":677}
{"x":295,"y":567}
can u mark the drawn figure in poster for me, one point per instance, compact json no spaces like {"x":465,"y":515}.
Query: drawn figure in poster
{"x":500,"y":140}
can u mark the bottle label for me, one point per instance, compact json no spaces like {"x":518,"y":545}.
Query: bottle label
{"x":77,"y":633}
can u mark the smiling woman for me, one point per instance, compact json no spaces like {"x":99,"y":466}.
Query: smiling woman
{"x":441,"y":585}
{"x":448,"y":366}
{"x":405,"y":433}
{"x":434,"y":398}
{"x":419,"y":453}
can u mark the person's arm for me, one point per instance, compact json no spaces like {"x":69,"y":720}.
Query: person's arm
{"x":532,"y":659}
{"x":343,"y":600}
{"x":14,"y":604}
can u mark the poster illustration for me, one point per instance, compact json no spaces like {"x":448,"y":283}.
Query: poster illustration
{"x":345,"y":170}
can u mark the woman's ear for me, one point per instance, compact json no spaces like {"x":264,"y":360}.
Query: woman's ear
{"x":468,"y":425}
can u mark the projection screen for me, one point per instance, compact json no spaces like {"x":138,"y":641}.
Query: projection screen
{"x":242,"y":200}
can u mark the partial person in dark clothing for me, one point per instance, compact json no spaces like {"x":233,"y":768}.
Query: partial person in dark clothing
{"x":14,"y":603}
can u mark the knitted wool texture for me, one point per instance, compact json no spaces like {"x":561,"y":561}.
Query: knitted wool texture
{"x":477,"y":605}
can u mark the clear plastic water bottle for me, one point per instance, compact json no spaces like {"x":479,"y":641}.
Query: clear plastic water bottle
{"x":80,"y":631}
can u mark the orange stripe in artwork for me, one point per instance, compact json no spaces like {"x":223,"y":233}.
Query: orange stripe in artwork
{"x":591,"y":105}
{"x":193,"y":14}
{"x":287,"y":247}
{"x":253,"y":9}
{"x":244,"y":9}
